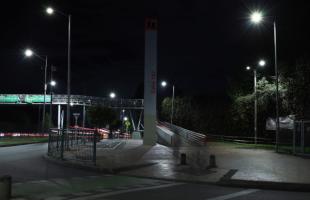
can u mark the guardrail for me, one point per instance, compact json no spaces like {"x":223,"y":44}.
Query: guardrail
{"x":192,"y":137}
{"x":240,"y":139}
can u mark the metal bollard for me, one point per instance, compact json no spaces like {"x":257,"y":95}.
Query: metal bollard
{"x":212,"y":162}
{"x":183,"y":159}
{"x":5,"y":187}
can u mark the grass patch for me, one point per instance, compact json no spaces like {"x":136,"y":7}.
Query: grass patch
{"x":20,"y":140}
{"x":282,"y":148}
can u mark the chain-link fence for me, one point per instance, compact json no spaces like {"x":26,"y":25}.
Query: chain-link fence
{"x":75,"y":144}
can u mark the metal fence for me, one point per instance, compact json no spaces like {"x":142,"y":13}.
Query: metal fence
{"x":191,"y":137}
{"x":74,"y":144}
{"x":301,"y":138}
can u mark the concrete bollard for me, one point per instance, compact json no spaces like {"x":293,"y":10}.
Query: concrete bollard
{"x":5,"y":187}
{"x":212,"y":161}
{"x":183,"y":159}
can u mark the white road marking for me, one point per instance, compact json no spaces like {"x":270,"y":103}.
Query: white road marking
{"x":233,"y":195}
{"x":126,"y":191}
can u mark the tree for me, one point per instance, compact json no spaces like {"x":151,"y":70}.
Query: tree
{"x":243,"y":106}
{"x":298,"y":83}
{"x":101,"y":116}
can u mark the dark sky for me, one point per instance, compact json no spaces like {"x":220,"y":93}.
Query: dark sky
{"x":203,"y":44}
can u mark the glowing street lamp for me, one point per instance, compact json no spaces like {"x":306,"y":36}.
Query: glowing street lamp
{"x":261,"y":63}
{"x":256,"y":18}
{"x":164,"y":84}
{"x":53,"y":83}
{"x":49,"y":10}
{"x":112,"y":95}
{"x":29,"y":53}
{"x":125,"y":118}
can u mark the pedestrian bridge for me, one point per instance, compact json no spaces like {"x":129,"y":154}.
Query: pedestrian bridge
{"x":79,"y":100}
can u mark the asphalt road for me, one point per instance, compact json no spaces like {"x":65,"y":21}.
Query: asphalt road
{"x":201,"y":192}
{"x":26,"y":163}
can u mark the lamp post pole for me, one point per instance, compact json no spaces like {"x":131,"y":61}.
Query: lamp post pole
{"x":172,"y":105}
{"x":44,"y":96}
{"x":255,"y":106}
{"x":256,"y":18}
{"x":277,"y":84}
{"x":69,"y":73}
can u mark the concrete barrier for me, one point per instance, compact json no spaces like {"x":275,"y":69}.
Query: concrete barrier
{"x":5,"y":187}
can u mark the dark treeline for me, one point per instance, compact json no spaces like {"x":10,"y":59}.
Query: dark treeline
{"x":233,"y":114}
{"x":19,"y":118}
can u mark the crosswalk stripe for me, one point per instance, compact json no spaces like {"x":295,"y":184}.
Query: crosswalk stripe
{"x":233,"y":195}
{"x":126,"y":191}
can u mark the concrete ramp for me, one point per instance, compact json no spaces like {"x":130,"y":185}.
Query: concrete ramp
{"x":175,"y":136}
{"x":165,"y":135}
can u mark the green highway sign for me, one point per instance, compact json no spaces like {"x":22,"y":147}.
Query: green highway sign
{"x":37,"y":99}
{"x":9,"y":99}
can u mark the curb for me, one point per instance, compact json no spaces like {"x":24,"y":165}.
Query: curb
{"x":12,"y":145}
{"x":266,"y":185}
{"x":79,"y":165}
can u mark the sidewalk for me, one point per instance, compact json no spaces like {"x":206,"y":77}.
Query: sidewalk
{"x":236,"y":166}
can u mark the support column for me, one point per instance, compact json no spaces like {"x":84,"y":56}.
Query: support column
{"x":150,"y":82}
{"x":58,"y":116}
{"x":84,"y":115}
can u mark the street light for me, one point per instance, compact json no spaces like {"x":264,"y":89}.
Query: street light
{"x":261,"y":63}
{"x":256,"y":18}
{"x":112,"y":95}
{"x":125,"y":118}
{"x":50,"y":11}
{"x":30,"y":53}
{"x":52,"y":84}
{"x":164,"y":84}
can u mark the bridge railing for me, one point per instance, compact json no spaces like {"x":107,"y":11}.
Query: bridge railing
{"x":75,"y":99}
{"x":90,"y":100}
{"x":192,"y":137}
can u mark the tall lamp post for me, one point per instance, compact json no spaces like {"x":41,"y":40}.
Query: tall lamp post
{"x":256,"y":18}
{"x":30,"y":53}
{"x":52,"y":84}
{"x":50,"y":11}
{"x":164,"y":84}
{"x":261,"y":63}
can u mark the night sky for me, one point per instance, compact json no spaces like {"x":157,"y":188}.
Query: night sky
{"x":203,"y":44}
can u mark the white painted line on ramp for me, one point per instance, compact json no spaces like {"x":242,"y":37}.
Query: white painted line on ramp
{"x":96,"y":196}
{"x":233,"y":195}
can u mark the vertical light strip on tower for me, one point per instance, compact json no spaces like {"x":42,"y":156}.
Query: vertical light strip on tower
{"x":150,"y":82}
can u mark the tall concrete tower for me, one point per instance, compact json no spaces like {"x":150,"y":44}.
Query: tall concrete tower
{"x":150,"y":82}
